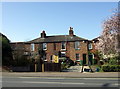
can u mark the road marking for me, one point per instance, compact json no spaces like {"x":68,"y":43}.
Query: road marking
{"x":53,"y":82}
{"x":60,"y":83}
{"x":42,"y":82}
{"x":116,"y":84}
{"x":69,"y":83}
{"x":42,"y":77}
{"x":68,"y":78}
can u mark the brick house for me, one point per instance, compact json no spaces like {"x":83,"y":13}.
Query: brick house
{"x":68,"y":46}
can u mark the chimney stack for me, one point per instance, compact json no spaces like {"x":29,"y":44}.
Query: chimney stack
{"x":71,"y":32}
{"x":43,"y":34}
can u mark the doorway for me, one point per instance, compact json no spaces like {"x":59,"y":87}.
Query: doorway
{"x":84,"y":59}
{"x":90,"y":59}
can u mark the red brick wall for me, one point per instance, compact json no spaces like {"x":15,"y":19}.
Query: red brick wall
{"x":70,"y":50}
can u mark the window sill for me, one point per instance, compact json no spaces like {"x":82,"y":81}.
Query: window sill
{"x":44,"y":49}
{"x":90,"y":48}
{"x":63,"y":49}
{"x":77,"y":60}
{"x":77,"y":49}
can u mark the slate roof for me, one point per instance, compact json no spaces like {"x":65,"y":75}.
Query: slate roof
{"x":57,"y":38}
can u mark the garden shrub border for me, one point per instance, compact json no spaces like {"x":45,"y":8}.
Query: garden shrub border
{"x":111,"y":68}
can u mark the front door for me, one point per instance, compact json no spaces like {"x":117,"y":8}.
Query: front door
{"x":84,"y":59}
{"x":90,"y":59}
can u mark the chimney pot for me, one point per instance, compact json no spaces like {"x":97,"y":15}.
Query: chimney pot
{"x":43,"y":34}
{"x":71,"y":32}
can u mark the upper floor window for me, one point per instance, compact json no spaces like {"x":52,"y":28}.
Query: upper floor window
{"x":77,"y":56}
{"x":90,"y":46}
{"x":77,"y":45}
{"x":44,"y":46}
{"x":32,"y":47}
{"x":63,"y":46}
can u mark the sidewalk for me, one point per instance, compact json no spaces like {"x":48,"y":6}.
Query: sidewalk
{"x":63,"y":74}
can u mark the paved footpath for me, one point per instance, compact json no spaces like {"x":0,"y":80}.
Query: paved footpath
{"x":64,"y":74}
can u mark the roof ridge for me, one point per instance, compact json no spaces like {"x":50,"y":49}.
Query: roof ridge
{"x":57,"y":35}
{"x":56,"y":38}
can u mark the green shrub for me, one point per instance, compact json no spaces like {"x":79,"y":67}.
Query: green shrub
{"x":21,"y":61}
{"x":64,"y":66}
{"x":111,"y":68}
{"x":65,"y":63}
{"x":95,"y":61}
{"x":114,"y":60}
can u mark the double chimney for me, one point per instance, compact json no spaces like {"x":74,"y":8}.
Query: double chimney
{"x":43,"y":34}
{"x":71,"y":33}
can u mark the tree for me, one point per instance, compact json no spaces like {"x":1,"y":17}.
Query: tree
{"x":7,"y":59}
{"x":19,"y":58}
{"x":109,"y":41}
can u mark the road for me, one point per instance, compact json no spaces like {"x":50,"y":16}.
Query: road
{"x":18,"y":81}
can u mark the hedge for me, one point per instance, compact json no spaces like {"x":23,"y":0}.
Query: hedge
{"x":111,"y":68}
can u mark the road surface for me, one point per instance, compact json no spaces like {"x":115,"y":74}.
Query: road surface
{"x":18,"y":81}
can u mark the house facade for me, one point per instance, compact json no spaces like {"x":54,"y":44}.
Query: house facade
{"x":68,"y":46}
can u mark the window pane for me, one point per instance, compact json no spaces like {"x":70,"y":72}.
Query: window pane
{"x":63,"y":54}
{"x":77,"y":45}
{"x":32,"y":47}
{"x":63,"y":45}
{"x":90,"y":46}
{"x":44,"y":46}
{"x":77,"y":56}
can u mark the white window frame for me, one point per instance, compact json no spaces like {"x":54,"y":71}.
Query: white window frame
{"x":64,"y":45}
{"x":26,"y":53}
{"x":90,"y":46}
{"x":77,"y":45}
{"x":44,"y":46}
{"x":63,"y":53}
{"x":32,"y":47}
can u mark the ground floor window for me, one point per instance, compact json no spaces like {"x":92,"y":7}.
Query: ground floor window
{"x":77,"y":56}
{"x":63,"y":54}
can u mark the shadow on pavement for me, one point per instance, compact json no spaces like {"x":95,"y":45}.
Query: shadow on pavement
{"x":106,"y":85}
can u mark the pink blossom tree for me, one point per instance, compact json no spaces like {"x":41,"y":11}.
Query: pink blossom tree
{"x":109,"y":40}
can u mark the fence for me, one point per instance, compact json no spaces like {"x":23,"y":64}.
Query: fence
{"x":48,"y":67}
{"x":21,"y":69}
{"x":52,"y":67}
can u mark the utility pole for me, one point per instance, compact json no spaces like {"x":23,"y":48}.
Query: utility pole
{"x":35,"y":66}
{"x":43,"y":67}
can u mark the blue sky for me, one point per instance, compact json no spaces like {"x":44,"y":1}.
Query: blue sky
{"x":23,"y":21}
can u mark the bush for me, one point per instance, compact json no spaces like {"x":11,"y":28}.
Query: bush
{"x":66,"y":63}
{"x":111,"y":68}
{"x":64,"y":66}
{"x":95,"y":61}
{"x":21,"y":61}
{"x":114,"y":60}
